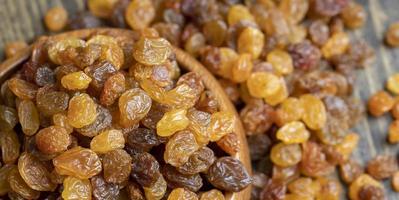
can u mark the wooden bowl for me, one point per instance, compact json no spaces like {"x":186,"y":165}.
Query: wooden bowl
{"x":185,"y":60}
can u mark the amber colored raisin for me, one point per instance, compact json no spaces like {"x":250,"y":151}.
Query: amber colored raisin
{"x":12,"y":48}
{"x":4,"y":185}
{"x":10,"y":146}
{"x":8,"y":98}
{"x":382,"y":166}
{"x":393,"y":83}
{"x":349,"y":171}
{"x":263,"y":84}
{"x":329,"y":188}
{"x":293,"y":132}
{"x":242,"y":68}
{"x":212,"y":195}
{"x":251,"y":41}
{"x":395,"y":182}
{"x":370,"y":192}
{"x":281,"y":62}
{"x":19,"y":186}
{"x":50,"y":102}
{"x":59,"y":51}
{"x":314,"y":115}
{"x":28,"y":117}
{"x":290,"y":110}
{"x":354,"y":15}
{"x":230,"y":144}
{"x":103,"y":190}
{"x":274,"y":190}
{"x":114,"y":86}
{"x":172,"y":122}
{"x":380,"y":103}
{"x":360,"y":182}
{"x":229,"y":174}
{"x":279,"y":96}
{"x":157,"y":190}
{"x":295,"y":10}
{"x":76,"y":81}
{"x":134,"y":104}
{"x":75,"y":188}
{"x":221,"y":124}
{"x":53,"y":139}
{"x":336,"y":45}
{"x":237,"y":13}
{"x":107,"y":141}
{"x":175,"y":179}
{"x":304,"y":187}
{"x":180,"y":147}
{"x":22,"y":89}
{"x":286,"y":174}
{"x":182,"y":194}
{"x":82,"y":110}
{"x":348,"y":145}
{"x":145,"y":169}
{"x":392,"y":35}
{"x":139,"y":14}
{"x":215,"y":32}
{"x":314,"y":162}
{"x":61,"y":120}
{"x":78,"y":162}
{"x":56,"y":18}
{"x":194,"y":44}
{"x":117,"y":166}
{"x":35,"y":173}
{"x":286,"y":155}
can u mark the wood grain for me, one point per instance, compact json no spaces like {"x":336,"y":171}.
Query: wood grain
{"x":22,"y":20}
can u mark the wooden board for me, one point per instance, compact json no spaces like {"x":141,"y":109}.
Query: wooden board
{"x":22,"y":20}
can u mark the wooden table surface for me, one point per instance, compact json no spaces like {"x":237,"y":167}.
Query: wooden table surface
{"x":23,"y":20}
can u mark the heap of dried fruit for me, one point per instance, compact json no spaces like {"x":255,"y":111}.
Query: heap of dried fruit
{"x":113,"y":118}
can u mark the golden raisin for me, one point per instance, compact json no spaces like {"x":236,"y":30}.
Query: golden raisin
{"x":393,"y":84}
{"x":393,"y":132}
{"x":172,"y":122}
{"x":290,"y":110}
{"x":22,"y":89}
{"x":227,"y":58}
{"x":286,"y":155}
{"x":76,"y":81}
{"x":56,"y":19}
{"x":362,"y":180}
{"x":380,"y":103}
{"x":53,"y":139}
{"x":179,"y":148}
{"x":107,"y":141}
{"x":62,"y":121}
{"x":182,"y":194}
{"x":293,"y":132}
{"x":251,"y":40}
{"x":28,"y":117}
{"x":279,"y":96}
{"x":76,"y":189}
{"x":304,"y":187}
{"x":242,"y":68}
{"x":354,"y":15}
{"x":237,"y":13}
{"x":263,"y":84}
{"x":329,"y":189}
{"x":134,"y":105}
{"x":281,"y":62}
{"x":392,"y":35}
{"x":314,"y":115}
{"x":56,"y":49}
{"x":221,"y":124}
{"x":212,"y":195}
{"x":152,"y":51}
{"x":101,"y":8}
{"x":82,"y":110}
{"x":294,"y":10}
{"x":336,"y":45}
{"x":346,"y":147}
{"x":139,"y":14}
{"x":12,"y":48}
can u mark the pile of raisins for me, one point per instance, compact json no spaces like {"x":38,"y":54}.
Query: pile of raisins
{"x":114,"y":118}
{"x":287,"y":65}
